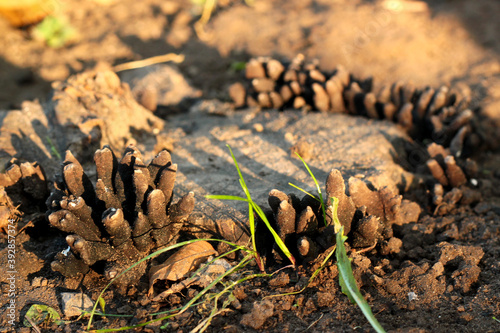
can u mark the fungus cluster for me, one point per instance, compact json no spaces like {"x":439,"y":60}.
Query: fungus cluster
{"x":441,"y":115}
{"x":367,"y":216}
{"x":119,"y":220}
{"x":451,"y":177}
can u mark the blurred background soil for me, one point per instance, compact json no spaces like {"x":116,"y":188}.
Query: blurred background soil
{"x":429,"y":43}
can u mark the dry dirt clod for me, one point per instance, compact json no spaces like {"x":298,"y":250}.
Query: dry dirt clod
{"x":467,"y":258}
{"x":74,"y":303}
{"x":259,"y":314}
{"x":25,"y":184}
{"x":363,"y":196}
{"x":23,"y":191}
{"x":367,"y":231}
{"x":126,"y":214}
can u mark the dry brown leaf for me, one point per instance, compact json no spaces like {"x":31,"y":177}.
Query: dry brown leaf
{"x":203,"y":278}
{"x":182,"y":262}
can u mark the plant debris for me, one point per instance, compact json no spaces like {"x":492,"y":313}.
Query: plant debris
{"x":179,"y":265}
{"x":39,"y":314}
{"x":122,"y":218}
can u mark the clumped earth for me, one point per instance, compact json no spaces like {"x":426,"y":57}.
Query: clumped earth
{"x":424,"y":237}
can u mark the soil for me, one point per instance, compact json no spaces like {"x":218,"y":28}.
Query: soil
{"x":442,"y":277}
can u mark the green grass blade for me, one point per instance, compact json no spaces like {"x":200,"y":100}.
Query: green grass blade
{"x":334,"y":207}
{"x":152,"y":255}
{"x":251,"y":220}
{"x":225,"y":197}
{"x":258,"y":210}
{"x":348,"y":283}
{"x":225,"y":254}
{"x":192,"y":302}
{"x":323,"y":264}
{"x":242,"y":180}
{"x":245,"y":188}
{"x":102,"y":314}
{"x":318,"y":188}
{"x":276,"y":237}
{"x":128,"y":269}
{"x":203,"y":325}
{"x":301,"y":189}
{"x":53,"y":148}
{"x":102,"y":303}
{"x":242,"y":263}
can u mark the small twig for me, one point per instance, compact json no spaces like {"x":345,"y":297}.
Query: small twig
{"x":208,"y":9}
{"x":33,"y":325}
{"x":438,"y":207}
{"x":202,"y":326}
{"x":314,"y":322}
{"x":29,"y":224}
{"x":177,"y":58}
{"x":366,"y":249}
{"x":282,"y":268}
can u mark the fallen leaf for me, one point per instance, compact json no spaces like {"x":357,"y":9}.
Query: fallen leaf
{"x":182,"y":262}
{"x":40,"y":313}
{"x":203,"y":278}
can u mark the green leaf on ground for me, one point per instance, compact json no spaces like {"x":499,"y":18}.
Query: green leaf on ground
{"x":39,"y":313}
{"x":102,"y":304}
{"x":238,"y":66}
{"x":348,"y":283}
{"x":55,"y":31}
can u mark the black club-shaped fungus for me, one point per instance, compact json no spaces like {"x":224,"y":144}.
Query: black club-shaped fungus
{"x":367,"y":216}
{"x":119,"y":221}
{"x":441,"y":115}
{"x":451,"y":179}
